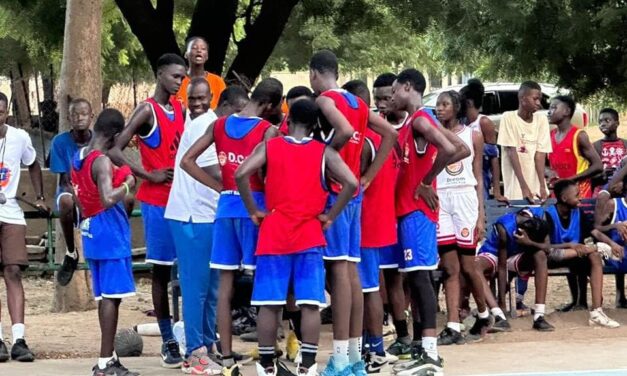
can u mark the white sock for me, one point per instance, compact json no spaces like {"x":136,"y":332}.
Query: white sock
{"x":102,"y":362}
{"x":340,"y":353}
{"x":18,"y":332}
{"x":455,"y":326}
{"x":430,"y":345}
{"x":354,"y":350}
{"x":539,"y":311}
{"x":72,"y":254}
{"x":1,"y":336}
{"x":498,"y":312}
{"x":485,"y":314}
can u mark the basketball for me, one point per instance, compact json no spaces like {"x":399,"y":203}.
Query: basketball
{"x":128,"y":342}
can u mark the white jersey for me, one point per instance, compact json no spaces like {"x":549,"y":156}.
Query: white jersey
{"x":475,"y":124}
{"x":459,"y":174}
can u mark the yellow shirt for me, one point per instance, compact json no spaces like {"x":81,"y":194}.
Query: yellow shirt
{"x":527,"y":138}
{"x":216,"y":83}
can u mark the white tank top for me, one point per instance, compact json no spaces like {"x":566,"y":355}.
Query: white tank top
{"x":459,"y":174}
{"x":475,"y":124}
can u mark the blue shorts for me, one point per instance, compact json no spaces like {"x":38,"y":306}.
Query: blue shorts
{"x":344,"y":235}
{"x":112,"y":278}
{"x":234,"y":244}
{"x":613,"y":266}
{"x":302,"y":273}
{"x":160,"y":247}
{"x":389,"y":257}
{"x":417,"y":236}
{"x":368,"y":269}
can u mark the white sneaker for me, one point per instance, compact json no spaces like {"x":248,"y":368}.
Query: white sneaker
{"x":598,"y":317}
{"x":265,"y":371}
{"x":311,"y":371}
{"x":605,"y":250}
{"x":391,"y":359}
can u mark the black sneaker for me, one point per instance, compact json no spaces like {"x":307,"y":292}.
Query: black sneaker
{"x":171,"y":355}
{"x":21,"y":352}
{"x":4,"y":352}
{"x":374,"y":363}
{"x":424,"y":365}
{"x":65,"y":273}
{"x":478,"y":330}
{"x":400,"y":350}
{"x":113,"y":368}
{"x":541,"y":325}
{"x":450,"y":337}
{"x":500,"y":325}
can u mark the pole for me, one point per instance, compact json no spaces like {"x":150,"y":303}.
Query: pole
{"x":41,"y":128}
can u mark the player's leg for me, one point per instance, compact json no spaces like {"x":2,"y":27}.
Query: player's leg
{"x":449,"y":263}
{"x":67,"y":218}
{"x":108,"y":319}
{"x":373,"y":308}
{"x":295,"y":336}
{"x":621,"y":300}
{"x":597,"y":316}
{"x":356,"y":328}
{"x":536,"y":262}
{"x":401,"y":347}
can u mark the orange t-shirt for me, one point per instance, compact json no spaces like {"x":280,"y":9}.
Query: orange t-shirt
{"x":216,"y":83}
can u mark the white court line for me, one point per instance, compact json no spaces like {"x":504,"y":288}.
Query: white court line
{"x":597,"y":372}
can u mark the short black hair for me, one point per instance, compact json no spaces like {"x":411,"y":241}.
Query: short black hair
{"x":560,"y":186}
{"x":232,"y":94}
{"x":474,"y":92}
{"x":415,"y":79}
{"x":358,"y":88}
{"x":536,"y":228}
{"x":3,"y":98}
{"x":169,"y":59}
{"x":109,"y":123}
{"x":269,"y":90}
{"x":76,"y":101}
{"x":298,"y":91}
{"x":189,"y":41}
{"x":324,"y":61}
{"x":199,"y":81}
{"x":529,"y":85}
{"x":384,"y":79}
{"x":304,"y":112}
{"x":569,"y":101}
{"x":607,"y":110}
{"x":458,"y":102}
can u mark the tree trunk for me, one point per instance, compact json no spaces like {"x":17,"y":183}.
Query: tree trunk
{"x":20,"y":101}
{"x":81,"y":76}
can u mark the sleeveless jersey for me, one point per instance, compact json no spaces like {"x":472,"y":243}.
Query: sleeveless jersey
{"x":295,"y":196}
{"x":476,"y":125}
{"x":566,"y":161}
{"x":414,"y":165}
{"x":460,"y":174}
{"x":559,"y":234}
{"x":612,"y":152}
{"x":356,"y":112}
{"x":158,"y":150}
{"x":508,"y":221}
{"x":235,"y":138}
{"x":378,"y":217}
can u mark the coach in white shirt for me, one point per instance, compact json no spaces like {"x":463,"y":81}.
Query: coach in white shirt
{"x":191,"y":212}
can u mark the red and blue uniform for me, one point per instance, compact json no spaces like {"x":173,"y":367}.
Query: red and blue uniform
{"x":235,"y":139}
{"x":619,"y":215}
{"x":106,"y":233}
{"x":291,"y":241}
{"x":344,"y":235}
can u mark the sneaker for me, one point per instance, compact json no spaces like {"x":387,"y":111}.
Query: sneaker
{"x":232,"y":370}
{"x":598,"y":317}
{"x":171,"y":355}
{"x":65,"y":273}
{"x":254,"y":354}
{"x":292,"y":348}
{"x":449,"y":337}
{"x":113,"y":368}
{"x":541,"y":325}
{"x":282,"y":370}
{"x":359,"y":368}
{"x":478,"y":330}
{"x":374,"y":363}
{"x":270,"y":371}
{"x":500,"y":325}
{"x":400,"y":350}
{"x":239,"y":358}
{"x":522,"y":309}
{"x":21,"y":352}
{"x":331,"y":369}
{"x":605,"y":250}
{"x":199,"y":363}
{"x":391,"y":359}
{"x":424,"y":366}
{"x":311,"y":371}
{"x":416,"y":353}
{"x":4,"y":352}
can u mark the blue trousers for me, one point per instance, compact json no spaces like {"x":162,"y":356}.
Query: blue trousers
{"x":199,"y":284}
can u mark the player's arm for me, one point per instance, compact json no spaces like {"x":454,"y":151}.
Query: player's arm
{"x":388,"y":138}
{"x":189,"y":164}
{"x":540,"y":163}
{"x":336,"y":169}
{"x":501,"y":274}
{"x":587,"y":150}
{"x":488,"y":130}
{"x":523,"y":239}
{"x":101,"y":173}
{"x":512,"y":154}
{"x":271,"y":133}
{"x":603,"y":213}
{"x":36,"y":179}
{"x":477,"y":169}
{"x":342,"y":128}
{"x":251,"y":165}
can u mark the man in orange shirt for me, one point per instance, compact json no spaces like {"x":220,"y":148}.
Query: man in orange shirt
{"x":197,"y":53}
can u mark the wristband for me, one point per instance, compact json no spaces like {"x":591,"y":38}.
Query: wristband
{"x":125,"y":185}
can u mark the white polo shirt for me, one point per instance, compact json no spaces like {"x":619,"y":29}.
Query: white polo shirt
{"x":189,"y":199}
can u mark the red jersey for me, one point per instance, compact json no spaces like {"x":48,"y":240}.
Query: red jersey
{"x":378,"y":217}
{"x":566,"y":161}
{"x":612,"y":152}
{"x":235,"y":138}
{"x":356,"y":112}
{"x":415,"y":164}
{"x":158,"y":150}
{"x":295,"y":196}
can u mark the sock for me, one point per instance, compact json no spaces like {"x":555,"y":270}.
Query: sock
{"x":498,"y":312}
{"x":340,"y":353}
{"x":18,"y":332}
{"x":376,"y":345}
{"x":417,"y":330}
{"x":354,"y":350}
{"x":102,"y":362}
{"x":228,"y":361}
{"x":485,"y":314}
{"x":1,"y":336}
{"x":539,"y":311}
{"x":266,"y":356}
{"x":165,"y":327}
{"x":308,"y":352}
{"x":430,"y":345}
{"x":401,"y":328}
{"x":72,"y":254}
{"x":455,"y":326}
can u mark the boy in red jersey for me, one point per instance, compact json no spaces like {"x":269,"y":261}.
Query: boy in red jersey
{"x":427,"y":148}
{"x":611,"y":148}
{"x":343,"y":122}
{"x":294,"y":94}
{"x":235,"y":138}
{"x":158,"y":124}
{"x":290,"y":237}
{"x":100,"y":188}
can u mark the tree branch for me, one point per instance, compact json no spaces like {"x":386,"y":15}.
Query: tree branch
{"x":165,"y":11}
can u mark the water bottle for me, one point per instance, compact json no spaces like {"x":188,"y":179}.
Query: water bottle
{"x":179,"y":335}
